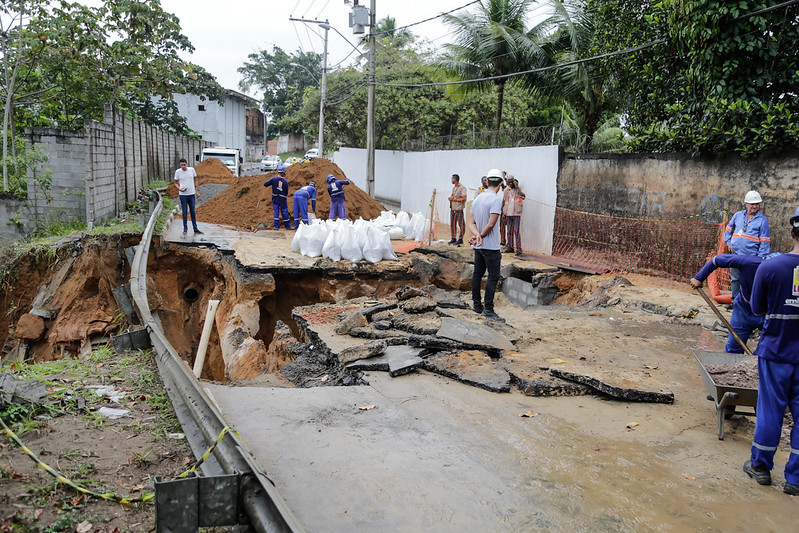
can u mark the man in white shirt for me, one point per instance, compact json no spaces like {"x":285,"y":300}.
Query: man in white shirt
{"x":483,"y":218}
{"x":188,"y":191}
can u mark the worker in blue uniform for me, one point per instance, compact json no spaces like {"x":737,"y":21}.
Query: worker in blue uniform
{"x":336,"y":190}
{"x":280,"y":191}
{"x":301,"y":197}
{"x":747,"y":233}
{"x":775,"y":294}
{"x":743,"y":321}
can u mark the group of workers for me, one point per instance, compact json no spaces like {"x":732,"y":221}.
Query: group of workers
{"x":280,"y":191}
{"x":510,"y":215}
{"x":188,"y":191}
{"x":765,"y":288}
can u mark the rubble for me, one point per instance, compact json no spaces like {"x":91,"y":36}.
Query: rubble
{"x":364,"y":351}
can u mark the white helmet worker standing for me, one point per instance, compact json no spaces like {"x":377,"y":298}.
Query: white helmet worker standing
{"x":747,"y":233}
{"x":753,"y":197}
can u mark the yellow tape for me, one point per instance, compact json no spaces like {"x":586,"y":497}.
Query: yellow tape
{"x":210,"y":450}
{"x":146,"y":496}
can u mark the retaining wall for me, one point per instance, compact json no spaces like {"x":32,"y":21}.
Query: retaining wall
{"x":676,"y":186}
{"x":96,"y":171}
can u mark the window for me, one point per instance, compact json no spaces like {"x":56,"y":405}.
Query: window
{"x":201,"y":107}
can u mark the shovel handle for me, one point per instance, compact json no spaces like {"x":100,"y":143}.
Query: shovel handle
{"x":724,"y":321}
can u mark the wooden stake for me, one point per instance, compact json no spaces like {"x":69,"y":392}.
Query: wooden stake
{"x":199,"y":361}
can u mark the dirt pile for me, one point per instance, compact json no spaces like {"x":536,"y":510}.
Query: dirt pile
{"x":212,"y":170}
{"x":247,"y":202}
{"x":742,"y":374}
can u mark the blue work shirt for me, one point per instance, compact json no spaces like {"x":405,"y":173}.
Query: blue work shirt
{"x":280,"y":186}
{"x":748,"y":237}
{"x":309,"y":193}
{"x":775,"y":293}
{"x":747,"y":264}
{"x":336,"y":190}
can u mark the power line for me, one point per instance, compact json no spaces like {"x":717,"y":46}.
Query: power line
{"x":531,"y":71}
{"x":377,"y":34}
{"x":574,"y":62}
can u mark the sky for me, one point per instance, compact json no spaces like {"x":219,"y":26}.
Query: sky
{"x":225,"y":33}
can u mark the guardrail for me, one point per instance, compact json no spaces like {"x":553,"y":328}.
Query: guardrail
{"x":265,"y":508}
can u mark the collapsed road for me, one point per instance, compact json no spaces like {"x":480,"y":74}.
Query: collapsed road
{"x":452,"y":423}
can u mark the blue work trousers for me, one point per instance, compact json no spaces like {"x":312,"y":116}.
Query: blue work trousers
{"x":337,"y":207}
{"x":187,"y":205}
{"x":300,"y":209}
{"x":280,"y":206}
{"x":744,"y":322}
{"x":778,"y":388}
{"x":485,"y":260}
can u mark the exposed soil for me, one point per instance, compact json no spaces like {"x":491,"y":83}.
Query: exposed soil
{"x":247,"y":203}
{"x":211,"y":170}
{"x":122,"y":456}
{"x":742,"y":374}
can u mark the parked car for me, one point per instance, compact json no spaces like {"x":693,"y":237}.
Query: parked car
{"x":291,"y":160}
{"x":313,"y":152}
{"x":271,"y":162}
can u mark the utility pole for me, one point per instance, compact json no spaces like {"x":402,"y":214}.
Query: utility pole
{"x":325,"y":26}
{"x":370,"y":107}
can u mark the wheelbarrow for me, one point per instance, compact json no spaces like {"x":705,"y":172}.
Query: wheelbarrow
{"x":726,"y":399}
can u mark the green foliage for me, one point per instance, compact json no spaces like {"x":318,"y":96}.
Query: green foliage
{"x":283,"y":78}
{"x":75,"y":59}
{"x":492,"y":41}
{"x":724,"y":82}
{"x":18,"y":165}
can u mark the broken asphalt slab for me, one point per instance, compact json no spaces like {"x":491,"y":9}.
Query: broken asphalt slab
{"x":402,"y":360}
{"x":620,"y":386}
{"x":473,"y":335}
{"x":472,"y":367}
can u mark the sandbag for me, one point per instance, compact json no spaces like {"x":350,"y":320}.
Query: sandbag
{"x":314,"y":237}
{"x":373,"y":249}
{"x":349,"y":246}
{"x":395,"y":233}
{"x":295,"y":242}
{"x":332,"y":246}
{"x":386,"y":248}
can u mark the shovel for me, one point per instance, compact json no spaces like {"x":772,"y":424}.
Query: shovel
{"x":712,"y":305}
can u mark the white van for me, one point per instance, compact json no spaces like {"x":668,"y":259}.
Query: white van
{"x":313,"y":152}
{"x":229,"y":156}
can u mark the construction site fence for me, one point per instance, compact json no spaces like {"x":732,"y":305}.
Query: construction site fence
{"x":667,"y":249}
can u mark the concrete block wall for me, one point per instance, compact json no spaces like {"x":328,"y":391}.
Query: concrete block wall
{"x":95,"y":171}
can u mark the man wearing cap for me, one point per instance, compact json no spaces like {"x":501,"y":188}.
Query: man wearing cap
{"x":483,"y":219}
{"x":335,"y":188}
{"x":301,"y":197}
{"x":280,"y":191}
{"x":747,"y":234}
{"x":775,"y":293}
{"x":457,"y":202}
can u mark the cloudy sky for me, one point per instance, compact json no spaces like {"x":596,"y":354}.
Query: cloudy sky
{"x":224,"y":33}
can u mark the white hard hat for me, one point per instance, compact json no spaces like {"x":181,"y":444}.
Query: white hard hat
{"x":494,"y":173}
{"x":752,"y":197}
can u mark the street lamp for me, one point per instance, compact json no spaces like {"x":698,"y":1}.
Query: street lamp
{"x":325,"y":26}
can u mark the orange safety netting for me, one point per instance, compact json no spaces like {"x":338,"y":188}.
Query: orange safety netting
{"x":670,"y":249}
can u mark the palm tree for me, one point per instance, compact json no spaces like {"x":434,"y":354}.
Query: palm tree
{"x":582,"y":85}
{"x":492,"y":41}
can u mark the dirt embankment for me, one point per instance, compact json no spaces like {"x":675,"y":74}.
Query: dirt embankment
{"x":246,"y":203}
{"x":211,"y":170}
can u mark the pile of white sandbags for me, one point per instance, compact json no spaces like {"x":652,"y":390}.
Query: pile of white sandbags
{"x":362,"y":239}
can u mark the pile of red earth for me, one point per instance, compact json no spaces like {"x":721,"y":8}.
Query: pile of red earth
{"x":247,"y":203}
{"x":212,"y":170}
{"x":742,"y":374}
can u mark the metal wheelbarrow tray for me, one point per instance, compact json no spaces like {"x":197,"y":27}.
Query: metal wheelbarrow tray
{"x":724,"y":397}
